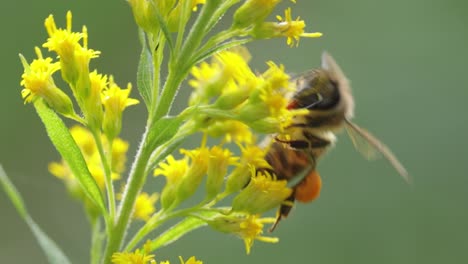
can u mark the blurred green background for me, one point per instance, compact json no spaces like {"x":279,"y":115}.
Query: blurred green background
{"x":407,"y":62}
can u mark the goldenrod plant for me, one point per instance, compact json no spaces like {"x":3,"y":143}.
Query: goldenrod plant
{"x":230,"y":105}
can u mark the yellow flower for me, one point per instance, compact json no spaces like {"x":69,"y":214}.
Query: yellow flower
{"x":174,"y":170}
{"x":85,"y":141}
{"x":254,"y":156}
{"x":235,"y":65}
{"x":231,"y":131}
{"x":203,"y":74}
{"x":218,"y":163}
{"x":62,"y":41}
{"x":91,"y":87}
{"x":144,"y":14}
{"x":137,"y":257}
{"x":74,"y":63}
{"x":251,"y":157}
{"x":38,"y":82}
{"x":228,"y":77}
{"x":208,"y":82}
{"x":63,"y":172}
{"x":293,"y":30}
{"x":96,"y":170}
{"x":276,"y":78}
{"x":262,"y":193}
{"x":253,"y":12}
{"x":270,"y":97}
{"x":115,"y":100}
{"x":198,"y":168}
{"x":247,"y":227}
{"x":119,"y":155}
{"x":191,"y":260}
{"x":195,"y":4}
{"x":144,"y":206}
{"x":74,"y":57}
{"x":251,"y":230}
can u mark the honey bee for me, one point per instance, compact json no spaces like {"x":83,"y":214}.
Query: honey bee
{"x":326,"y":93}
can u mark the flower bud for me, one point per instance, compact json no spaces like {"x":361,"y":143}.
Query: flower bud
{"x":198,"y":168}
{"x":253,"y":12}
{"x":218,"y":163}
{"x":261,"y":194}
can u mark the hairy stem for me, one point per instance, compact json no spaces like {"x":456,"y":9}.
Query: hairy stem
{"x":133,"y":187}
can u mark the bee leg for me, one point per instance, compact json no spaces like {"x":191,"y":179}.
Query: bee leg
{"x":283,"y":211}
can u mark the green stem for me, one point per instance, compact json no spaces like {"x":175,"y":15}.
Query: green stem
{"x":149,"y":226}
{"x":96,"y":241}
{"x":198,"y":31}
{"x":178,"y":68}
{"x":220,"y":11}
{"x":185,"y":16}
{"x":174,"y":78}
{"x":162,"y":217}
{"x":107,"y":175}
{"x":133,"y":187}
{"x":214,"y":43}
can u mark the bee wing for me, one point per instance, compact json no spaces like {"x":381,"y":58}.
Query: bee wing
{"x":371,"y":147}
{"x":362,"y":145}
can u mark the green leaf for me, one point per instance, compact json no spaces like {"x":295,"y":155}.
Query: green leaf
{"x":53,"y":253}
{"x":164,"y":28}
{"x":163,"y":130}
{"x":145,"y":71}
{"x":66,"y":146}
{"x":177,"y":231}
{"x":168,"y":150}
{"x":221,"y":9}
{"x":204,"y":54}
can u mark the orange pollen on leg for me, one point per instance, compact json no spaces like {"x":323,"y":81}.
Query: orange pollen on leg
{"x":309,"y":188}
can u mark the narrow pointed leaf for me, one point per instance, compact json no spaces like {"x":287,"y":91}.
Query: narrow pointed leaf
{"x":145,"y":71}
{"x":163,"y":130}
{"x":165,"y":29}
{"x":66,"y":146}
{"x":53,"y":253}
{"x":168,"y":150}
{"x":175,"y":232}
{"x":204,"y":54}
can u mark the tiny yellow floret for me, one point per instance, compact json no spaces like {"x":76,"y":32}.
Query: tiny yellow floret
{"x":262,"y":193}
{"x":144,"y":206}
{"x":294,"y":29}
{"x":136,"y":257}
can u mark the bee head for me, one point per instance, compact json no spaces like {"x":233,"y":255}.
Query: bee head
{"x":316,"y":91}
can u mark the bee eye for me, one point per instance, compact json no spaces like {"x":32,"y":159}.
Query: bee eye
{"x":318,"y":100}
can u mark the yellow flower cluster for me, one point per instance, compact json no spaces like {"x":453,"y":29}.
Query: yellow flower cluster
{"x":235,"y":98}
{"x":232,"y":102}
{"x":263,"y":191}
{"x":101,"y":101}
